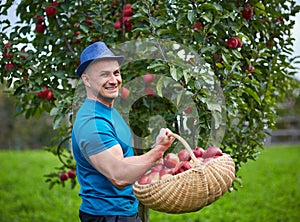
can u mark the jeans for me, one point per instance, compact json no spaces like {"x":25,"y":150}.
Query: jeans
{"x":84,"y":217}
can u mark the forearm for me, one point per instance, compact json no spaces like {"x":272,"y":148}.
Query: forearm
{"x":131,"y":168}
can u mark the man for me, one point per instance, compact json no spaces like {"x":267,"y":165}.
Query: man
{"x":102,"y":143}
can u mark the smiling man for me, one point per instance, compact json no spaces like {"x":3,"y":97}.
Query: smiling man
{"x":102,"y":143}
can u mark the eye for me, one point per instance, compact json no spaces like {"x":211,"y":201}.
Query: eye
{"x":117,"y":72}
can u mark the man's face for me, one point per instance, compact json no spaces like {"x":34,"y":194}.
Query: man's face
{"x":103,"y":80}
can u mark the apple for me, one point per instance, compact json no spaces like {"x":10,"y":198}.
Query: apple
{"x":88,"y":21}
{"x":153,"y":177}
{"x":250,"y":69}
{"x":55,"y":3}
{"x":166,"y":170}
{"x":148,"y":78}
{"x":49,"y":95}
{"x":183,"y":166}
{"x":184,"y":155}
{"x":198,"y":151}
{"x":240,"y":43}
{"x":232,"y":43}
{"x":63,"y":176}
{"x":144,"y":179}
{"x":171,"y":160}
{"x":9,"y":66}
{"x":127,"y":10}
{"x":72,"y":174}
{"x":201,"y":159}
{"x":125,"y":93}
{"x":40,"y":28}
{"x":197,"y":27}
{"x":188,"y":110}
{"x":247,"y":12}
{"x":128,"y":5}
{"x":117,"y":25}
{"x":40,"y":19}
{"x":212,"y":151}
{"x":149,"y":91}
{"x":50,"y":10}
{"x":157,"y":168}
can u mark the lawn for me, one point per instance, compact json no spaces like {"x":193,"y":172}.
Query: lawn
{"x":270,"y":191}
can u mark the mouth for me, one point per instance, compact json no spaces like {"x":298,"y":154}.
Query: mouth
{"x":112,"y":88}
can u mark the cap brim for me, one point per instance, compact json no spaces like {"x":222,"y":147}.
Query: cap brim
{"x":84,"y":65}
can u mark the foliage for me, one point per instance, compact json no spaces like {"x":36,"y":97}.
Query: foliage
{"x":248,"y":53}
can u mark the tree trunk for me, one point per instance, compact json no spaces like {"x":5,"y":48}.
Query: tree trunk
{"x":143,"y":210}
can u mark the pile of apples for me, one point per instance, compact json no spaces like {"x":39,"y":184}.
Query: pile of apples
{"x":175,"y":163}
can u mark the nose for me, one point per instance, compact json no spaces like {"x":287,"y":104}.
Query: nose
{"x":113,"y":79}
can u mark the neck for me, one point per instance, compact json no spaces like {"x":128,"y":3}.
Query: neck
{"x":108,"y":103}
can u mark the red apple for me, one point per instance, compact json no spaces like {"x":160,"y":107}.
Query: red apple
{"x":250,"y":69}
{"x":240,"y":43}
{"x":117,"y":25}
{"x":149,"y":91}
{"x":184,"y":155}
{"x":148,"y":78}
{"x":153,"y":177}
{"x":9,"y":66}
{"x":188,"y":110}
{"x":144,"y":179}
{"x":157,"y":168}
{"x":232,"y":43}
{"x":88,"y":21}
{"x":212,"y":151}
{"x":49,"y":95}
{"x":39,"y":28}
{"x":197,"y":27}
{"x":72,"y":174}
{"x":201,"y":159}
{"x":128,"y":10}
{"x":247,"y":12}
{"x":125,"y":93}
{"x":183,"y":166}
{"x":55,"y":3}
{"x":198,"y":151}
{"x":40,"y":19}
{"x":63,"y":176}
{"x":50,"y":10}
{"x":171,"y":160}
{"x":166,"y":170}
{"x":128,"y":5}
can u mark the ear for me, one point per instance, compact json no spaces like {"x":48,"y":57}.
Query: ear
{"x":85,"y":80}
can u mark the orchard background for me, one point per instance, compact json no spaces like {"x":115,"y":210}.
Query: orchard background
{"x":248,"y":45}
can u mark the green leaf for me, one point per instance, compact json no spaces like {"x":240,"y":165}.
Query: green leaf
{"x":252,"y":93}
{"x":191,"y":16}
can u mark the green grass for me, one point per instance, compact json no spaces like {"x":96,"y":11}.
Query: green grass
{"x":270,"y":191}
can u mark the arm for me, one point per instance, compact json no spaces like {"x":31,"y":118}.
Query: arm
{"x":123,"y":171}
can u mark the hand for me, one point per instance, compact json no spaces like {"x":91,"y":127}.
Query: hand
{"x":164,"y":138}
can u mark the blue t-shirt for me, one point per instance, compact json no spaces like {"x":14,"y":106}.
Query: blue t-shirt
{"x":97,"y":128}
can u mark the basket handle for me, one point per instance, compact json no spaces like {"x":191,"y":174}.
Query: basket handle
{"x":187,"y":147}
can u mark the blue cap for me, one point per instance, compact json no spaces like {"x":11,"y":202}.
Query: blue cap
{"x":97,"y":50}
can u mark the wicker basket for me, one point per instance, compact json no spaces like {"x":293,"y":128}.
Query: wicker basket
{"x":191,"y":190}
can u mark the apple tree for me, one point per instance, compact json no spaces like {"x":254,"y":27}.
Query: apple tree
{"x":246,"y":45}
